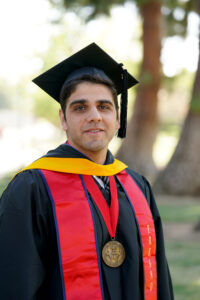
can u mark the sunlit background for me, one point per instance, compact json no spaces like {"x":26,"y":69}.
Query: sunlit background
{"x":32,"y":38}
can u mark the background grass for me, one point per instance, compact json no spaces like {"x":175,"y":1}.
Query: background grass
{"x":183,"y":254}
{"x":184,"y":263}
{"x":180,"y":212}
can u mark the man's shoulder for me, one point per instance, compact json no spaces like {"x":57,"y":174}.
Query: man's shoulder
{"x":25,"y":178}
{"x":138,"y":178}
{"x":24,"y":188}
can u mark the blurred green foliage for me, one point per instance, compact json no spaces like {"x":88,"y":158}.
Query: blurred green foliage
{"x":170,"y":129}
{"x":182,"y":81}
{"x":4,"y":103}
{"x":195,"y":103}
{"x":175,"y":12}
{"x":184,"y":262}
{"x":46,"y":107}
{"x":6,"y":94}
{"x":146,"y":78}
{"x":4,"y":181}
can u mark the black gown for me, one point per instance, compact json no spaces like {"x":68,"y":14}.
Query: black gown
{"x":29,"y":266}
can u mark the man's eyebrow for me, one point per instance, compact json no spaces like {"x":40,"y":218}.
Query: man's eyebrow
{"x":105,"y":101}
{"x":83,"y":101}
{"x":78,"y":101}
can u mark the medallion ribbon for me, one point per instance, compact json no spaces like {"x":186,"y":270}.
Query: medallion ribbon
{"x":110,"y":215}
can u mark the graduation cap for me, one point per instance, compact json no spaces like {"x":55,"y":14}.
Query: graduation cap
{"x":89,"y":61}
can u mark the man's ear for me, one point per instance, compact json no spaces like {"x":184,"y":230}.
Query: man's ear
{"x":62,"y":120}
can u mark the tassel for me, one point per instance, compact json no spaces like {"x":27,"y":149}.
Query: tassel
{"x":123,"y":104}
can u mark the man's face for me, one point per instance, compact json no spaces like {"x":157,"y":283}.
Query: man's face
{"x":91,"y":119}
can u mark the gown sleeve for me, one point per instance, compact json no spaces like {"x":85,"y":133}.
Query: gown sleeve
{"x":165,"y":288}
{"x":25,"y":226}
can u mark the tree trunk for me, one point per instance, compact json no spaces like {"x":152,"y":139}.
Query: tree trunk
{"x":182,"y":174}
{"x":136,"y":150}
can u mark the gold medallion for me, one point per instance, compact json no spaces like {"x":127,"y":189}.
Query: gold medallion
{"x":113,"y":254}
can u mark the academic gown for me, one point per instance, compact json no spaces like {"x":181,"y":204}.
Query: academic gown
{"x":29,"y":264}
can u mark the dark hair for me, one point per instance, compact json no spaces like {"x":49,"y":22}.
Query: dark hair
{"x":69,"y":87}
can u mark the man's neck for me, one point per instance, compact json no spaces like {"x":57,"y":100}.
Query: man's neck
{"x":99,"y":157}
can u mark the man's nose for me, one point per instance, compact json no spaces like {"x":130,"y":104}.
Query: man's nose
{"x":94,"y":115}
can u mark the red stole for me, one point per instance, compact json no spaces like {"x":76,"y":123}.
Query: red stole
{"x":77,"y":241}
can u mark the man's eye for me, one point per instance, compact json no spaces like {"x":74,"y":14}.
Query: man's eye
{"x":80,"y":108}
{"x":104,"y":107}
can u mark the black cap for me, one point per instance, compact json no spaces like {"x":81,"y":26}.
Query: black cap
{"x":89,"y":58}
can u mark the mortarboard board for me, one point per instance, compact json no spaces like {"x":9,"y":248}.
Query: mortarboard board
{"x":89,"y":58}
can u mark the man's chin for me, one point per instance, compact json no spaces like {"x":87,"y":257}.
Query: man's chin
{"x":95,"y":146}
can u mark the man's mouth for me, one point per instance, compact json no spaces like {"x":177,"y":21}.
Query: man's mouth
{"x":94,"y":130}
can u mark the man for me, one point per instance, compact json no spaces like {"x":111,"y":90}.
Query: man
{"x":78,"y":224}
